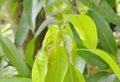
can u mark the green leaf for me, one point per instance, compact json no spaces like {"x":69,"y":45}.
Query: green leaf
{"x":105,"y":56}
{"x":93,"y":60}
{"x":76,"y":37}
{"x":69,"y":42}
{"x":103,"y":9}
{"x":27,"y":21}
{"x":50,"y":36}
{"x":21,"y":33}
{"x":105,"y":35}
{"x":87,"y":32}
{"x":29,"y":52}
{"x":73,"y":75}
{"x":36,"y":7}
{"x":1,"y":58}
{"x":96,"y":77}
{"x":48,"y":4}
{"x":111,"y":3}
{"x":117,"y":5}
{"x":102,"y":77}
{"x":14,"y":5}
{"x":57,"y":64}
{"x":14,"y":57}
{"x":14,"y":79}
{"x":39,"y":70}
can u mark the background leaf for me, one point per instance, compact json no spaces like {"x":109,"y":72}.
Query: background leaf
{"x":76,"y":37}
{"x":29,"y":52}
{"x":43,"y":25}
{"x":105,"y":35}
{"x":96,"y":77}
{"x":103,"y":9}
{"x":14,"y":5}
{"x":2,"y":2}
{"x":14,"y":79}
{"x":94,"y":60}
{"x":27,"y":22}
{"x":111,"y":3}
{"x":107,"y":59}
{"x":14,"y":57}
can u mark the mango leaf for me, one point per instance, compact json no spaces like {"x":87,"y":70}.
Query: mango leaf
{"x":96,"y":77}
{"x":76,"y":37}
{"x":27,"y":22}
{"x":93,"y":60}
{"x":39,"y":70}
{"x":69,"y":42}
{"x":85,"y":31}
{"x":50,"y":36}
{"x":65,"y":29}
{"x":111,"y":3}
{"x":105,"y":35}
{"x":14,"y":57}
{"x":103,"y":9}
{"x":105,"y":56}
{"x":49,"y":3}
{"x":29,"y":52}
{"x":102,"y":77}
{"x":14,"y":79}
{"x":57,"y":64}
{"x":73,"y":75}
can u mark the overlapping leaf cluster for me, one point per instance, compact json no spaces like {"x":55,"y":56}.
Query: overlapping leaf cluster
{"x":60,"y":54}
{"x":54,"y":63}
{"x":67,"y":50}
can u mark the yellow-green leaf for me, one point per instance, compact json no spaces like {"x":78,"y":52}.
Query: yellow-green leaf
{"x":86,"y":29}
{"x":39,"y":70}
{"x":14,"y":79}
{"x":50,"y":36}
{"x":73,"y":75}
{"x":57,"y":64}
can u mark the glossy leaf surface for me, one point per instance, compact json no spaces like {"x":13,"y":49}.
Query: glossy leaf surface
{"x":39,"y":70}
{"x":57,"y":64}
{"x":87,"y":32}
